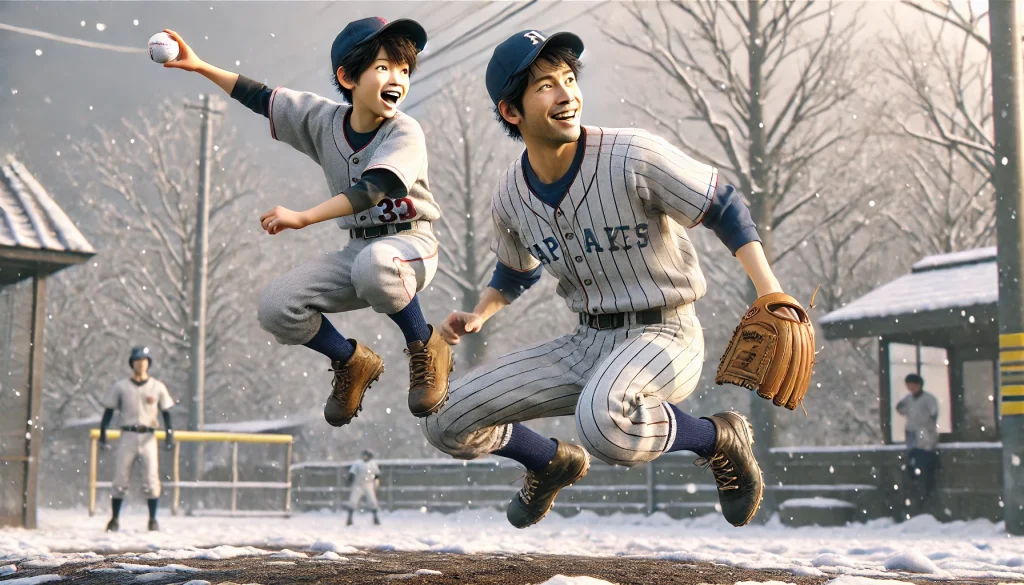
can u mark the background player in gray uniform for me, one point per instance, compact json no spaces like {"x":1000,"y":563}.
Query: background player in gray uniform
{"x":138,"y":398}
{"x":363,"y":480}
{"x":375,"y":161}
{"x":605,"y":211}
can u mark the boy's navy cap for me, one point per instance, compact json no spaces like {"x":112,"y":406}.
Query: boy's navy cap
{"x":359,"y":31}
{"x":516,"y":53}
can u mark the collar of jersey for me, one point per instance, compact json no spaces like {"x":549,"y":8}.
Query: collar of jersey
{"x":563,"y":184}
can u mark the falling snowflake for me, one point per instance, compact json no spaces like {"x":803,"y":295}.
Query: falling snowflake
{"x":101,"y":27}
{"x":39,"y":52}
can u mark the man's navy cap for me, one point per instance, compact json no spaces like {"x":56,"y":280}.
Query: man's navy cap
{"x":516,"y":53}
{"x":359,"y":31}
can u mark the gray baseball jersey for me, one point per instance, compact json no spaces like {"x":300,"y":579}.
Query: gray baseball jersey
{"x":315,"y":126}
{"x":617,"y":241}
{"x":139,"y":405}
{"x":364,"y":471}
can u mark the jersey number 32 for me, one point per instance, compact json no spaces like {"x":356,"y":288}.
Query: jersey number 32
{"x":393,"y":210}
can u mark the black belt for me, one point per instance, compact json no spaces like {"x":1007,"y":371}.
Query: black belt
{"x":137,"y":429}
{"x":376,"y":231}
{"x":616,"y":320}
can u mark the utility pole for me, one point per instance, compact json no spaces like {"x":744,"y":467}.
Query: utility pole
{"x":1008,"y":179}
{"x":200,"y":260}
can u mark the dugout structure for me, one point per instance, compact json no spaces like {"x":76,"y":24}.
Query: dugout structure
{"x":233,"y":485}
{"x":37,"y":239}
{"x":941,"y":321}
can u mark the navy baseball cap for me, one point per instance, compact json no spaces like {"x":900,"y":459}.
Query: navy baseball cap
{"x":359,"y":31}
{"x":516,"y":53}
{"x":139,"y":353}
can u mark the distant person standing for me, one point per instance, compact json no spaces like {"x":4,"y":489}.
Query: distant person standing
{"x":364,"y":479}
{"x":921,"y":410}
{"x":141,"y":400}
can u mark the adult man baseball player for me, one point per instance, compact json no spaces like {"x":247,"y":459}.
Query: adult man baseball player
{"x":363,"y":479}
{"x":139,"y":398}
{"x":604,"y":211}
{"x":375,"y":161}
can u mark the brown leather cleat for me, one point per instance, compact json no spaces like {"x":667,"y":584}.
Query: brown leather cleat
{"x":537,"y":497}
{"x":351,"y":380}
{"x":429,"y":368}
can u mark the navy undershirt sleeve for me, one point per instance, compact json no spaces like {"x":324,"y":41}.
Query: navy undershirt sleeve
{"x":513,"y":283}
{"x":253,"y":95}
{"x":730,"y":219}
{"x":373,"y":187}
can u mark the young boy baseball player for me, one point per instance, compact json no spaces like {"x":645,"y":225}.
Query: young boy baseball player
{"x":375,"y":161}
{"x":139,"y":398}
{"x":604,"y":210}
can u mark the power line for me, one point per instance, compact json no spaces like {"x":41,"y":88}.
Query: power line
{"x":71,"y":40}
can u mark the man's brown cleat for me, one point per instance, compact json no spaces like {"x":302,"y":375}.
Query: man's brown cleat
{"x":351,"y":380}
{"x":537,"y":497}
{"x":430,"y":365}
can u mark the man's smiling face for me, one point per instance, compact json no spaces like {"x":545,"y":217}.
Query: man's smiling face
{"x":552,"y":105}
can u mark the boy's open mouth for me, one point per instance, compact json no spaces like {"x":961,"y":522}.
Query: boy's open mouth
{"x":391,"y":96}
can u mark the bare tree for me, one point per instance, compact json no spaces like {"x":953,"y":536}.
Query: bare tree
{"x":768,"y":143}
{"x":944,"y":71}
{"x":85,"y":344}
{"x":139,"y":181}
{"x":769,"y":82}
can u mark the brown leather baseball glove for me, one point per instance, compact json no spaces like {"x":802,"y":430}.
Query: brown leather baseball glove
{"x":770,"y":352}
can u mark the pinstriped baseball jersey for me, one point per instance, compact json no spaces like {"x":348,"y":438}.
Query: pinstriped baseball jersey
{"x":616,"y":241}
{"x":315,"y":126}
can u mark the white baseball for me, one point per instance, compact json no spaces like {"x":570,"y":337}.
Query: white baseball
{"x":162,"y":48}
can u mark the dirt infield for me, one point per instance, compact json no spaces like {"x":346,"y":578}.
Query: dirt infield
{"x":375,"y":568}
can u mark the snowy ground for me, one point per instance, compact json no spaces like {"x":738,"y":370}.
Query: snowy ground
{"x":878,"y":550}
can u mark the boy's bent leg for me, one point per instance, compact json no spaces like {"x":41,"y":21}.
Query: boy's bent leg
{"x":292,"y":304}
{"x":292,"y":308}
{"x":388,"y":274}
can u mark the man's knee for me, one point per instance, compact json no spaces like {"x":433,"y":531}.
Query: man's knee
{"x":609,"y":444}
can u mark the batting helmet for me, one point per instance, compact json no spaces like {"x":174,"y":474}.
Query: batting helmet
{"x":139,"y":353}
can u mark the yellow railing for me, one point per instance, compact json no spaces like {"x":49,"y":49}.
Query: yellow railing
{"x":202,"y":437}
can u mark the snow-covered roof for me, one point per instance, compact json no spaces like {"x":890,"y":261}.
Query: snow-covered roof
{"x":29,"y":217}
{"x":945,"y":281}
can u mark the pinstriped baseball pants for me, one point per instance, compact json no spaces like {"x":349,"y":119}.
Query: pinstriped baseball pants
{"x":615,"y":382}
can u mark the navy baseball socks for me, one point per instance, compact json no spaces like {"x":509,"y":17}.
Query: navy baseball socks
{"x":551,"y":465}
{"x":528,"y":447}
{"x":689,"y":433}
{"x":153,"y":503}
{"x":331,"y":343}
{"x":115,"y":513}
{"x":410,"y":320}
